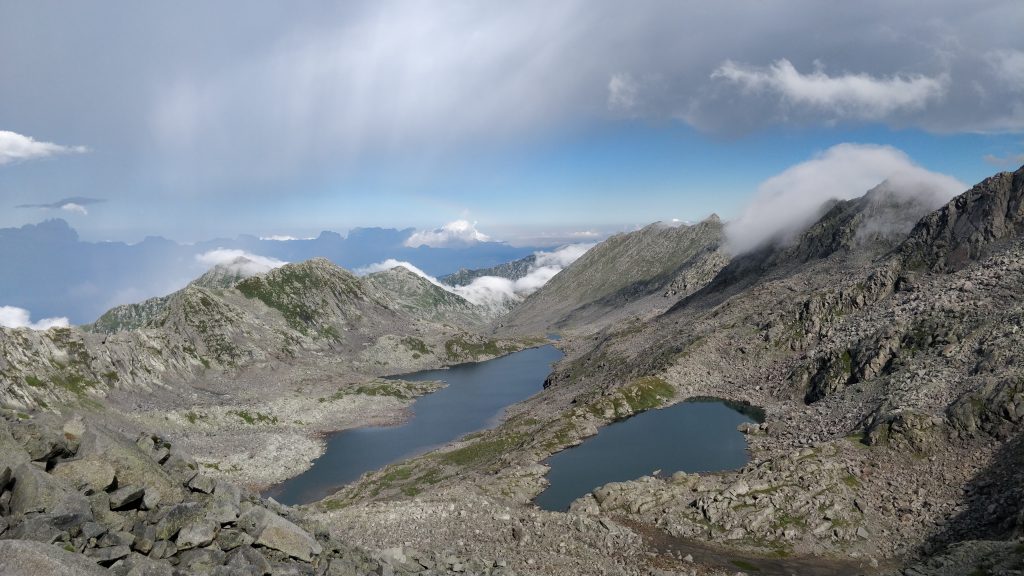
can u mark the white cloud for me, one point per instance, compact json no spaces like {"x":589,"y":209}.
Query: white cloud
{"x":855,"y":96}
{"x":494,"y":292}
{"x":15,"y":147}
{"x":787,"y":203}
{"x":283,"y":238}
{"x":13,"y":317}
{"x":73,"y":207}
{"x":622,"y":93}
{"x":394,"y":263}
{"x":563,"y":256}
{"x":457,"y":233}
{"x":239,"y":261}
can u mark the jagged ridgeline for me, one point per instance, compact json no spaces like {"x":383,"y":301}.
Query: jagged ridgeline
{"x":230,"y":319}
{"x":513,"y":270}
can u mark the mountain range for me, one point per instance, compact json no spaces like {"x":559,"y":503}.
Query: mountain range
{"x":60,"y":275}
{"x":881,"y":343}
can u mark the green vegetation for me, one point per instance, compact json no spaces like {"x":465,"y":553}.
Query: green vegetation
{"x":74,"y":383}
{"x":744,"y":565}
{"x":288,"y":289}
{"x":395,"y":388}
{"x":252,"y":418}
{"x":640,"y":395}
{"x":483,"y":451}
{"x":416,"y":345}
{"x":851,"y":481}
{"x":193,"y":417}
{"x":34,"y":382}
{"x":646,"y":393}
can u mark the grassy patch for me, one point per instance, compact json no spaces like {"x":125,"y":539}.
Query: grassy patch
{"x":193,"y":417}
{"x":483,"y":451}
{"x":851,"y":481}
{"x":335,"y":504}
{"x":647,"y":393}
{"x":416,"y":345}
{"x":252,"y":418}
{"x":35,"y":382}
{"x":744,"y":565}
{"x":74,"y":383}
{"x":395,"y":389}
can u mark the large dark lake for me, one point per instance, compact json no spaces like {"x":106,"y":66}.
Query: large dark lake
{"x":475,"y":398}
{"x":696,"y":436}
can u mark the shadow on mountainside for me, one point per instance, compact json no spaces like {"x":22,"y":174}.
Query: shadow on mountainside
{"x":994,"y":499}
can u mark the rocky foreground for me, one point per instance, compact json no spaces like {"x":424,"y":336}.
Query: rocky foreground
{"x":80,"y":499}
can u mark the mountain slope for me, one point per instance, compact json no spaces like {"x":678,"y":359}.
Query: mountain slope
{"x":627,"y":274}
{"x":417,"y":296}
{"x":887,"y":361}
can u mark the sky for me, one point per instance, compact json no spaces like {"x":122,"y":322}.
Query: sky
{"x":536,"y":122}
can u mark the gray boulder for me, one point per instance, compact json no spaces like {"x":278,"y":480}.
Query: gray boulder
{"x":89,"y":473}
{"x":127,"y":497}
{"x":131,"y":464}
{"x":197,"y":534}
{"x":35,"y":490}
{"x":23,"y":558}
{"x":177,"y":517}
{"x":272,"y":531}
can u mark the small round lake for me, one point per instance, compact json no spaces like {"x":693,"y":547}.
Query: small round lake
{"x":692,"y":436}
{"x":475,"y":398}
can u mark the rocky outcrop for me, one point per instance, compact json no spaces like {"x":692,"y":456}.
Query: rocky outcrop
{"x":965,"y":229}
{"x":158,"y":514}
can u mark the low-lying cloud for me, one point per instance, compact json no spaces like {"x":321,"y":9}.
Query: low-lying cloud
{"x":494,"y":292}
{"x":785,"y":204}
{"x":846,"y":96}
{"x":14,"y":317}
{"x":457,"y":233}
{"x":239,"y":261}
{"x":16,"y":147}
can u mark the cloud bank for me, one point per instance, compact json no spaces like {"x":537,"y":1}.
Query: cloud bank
{"x":16,"y":147}
{"x":494,"y":292}
{"x":14,"y":317}
{"x":457,"y":233}
{"x":857,"y":96}
{"x":785,"y":204}
{"x":239,"y":261}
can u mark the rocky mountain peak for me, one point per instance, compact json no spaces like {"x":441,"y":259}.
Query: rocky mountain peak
{"x":227,"y":275}
{"x":967,"y":227}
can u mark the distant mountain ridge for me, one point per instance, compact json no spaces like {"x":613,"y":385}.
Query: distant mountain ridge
{"x":58,"y":274}
{"x":297,"y":317}
{"x":513,"y":270}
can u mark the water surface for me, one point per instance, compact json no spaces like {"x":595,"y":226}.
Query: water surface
{"x":696,"y":436}
{"x":476,"y":396}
